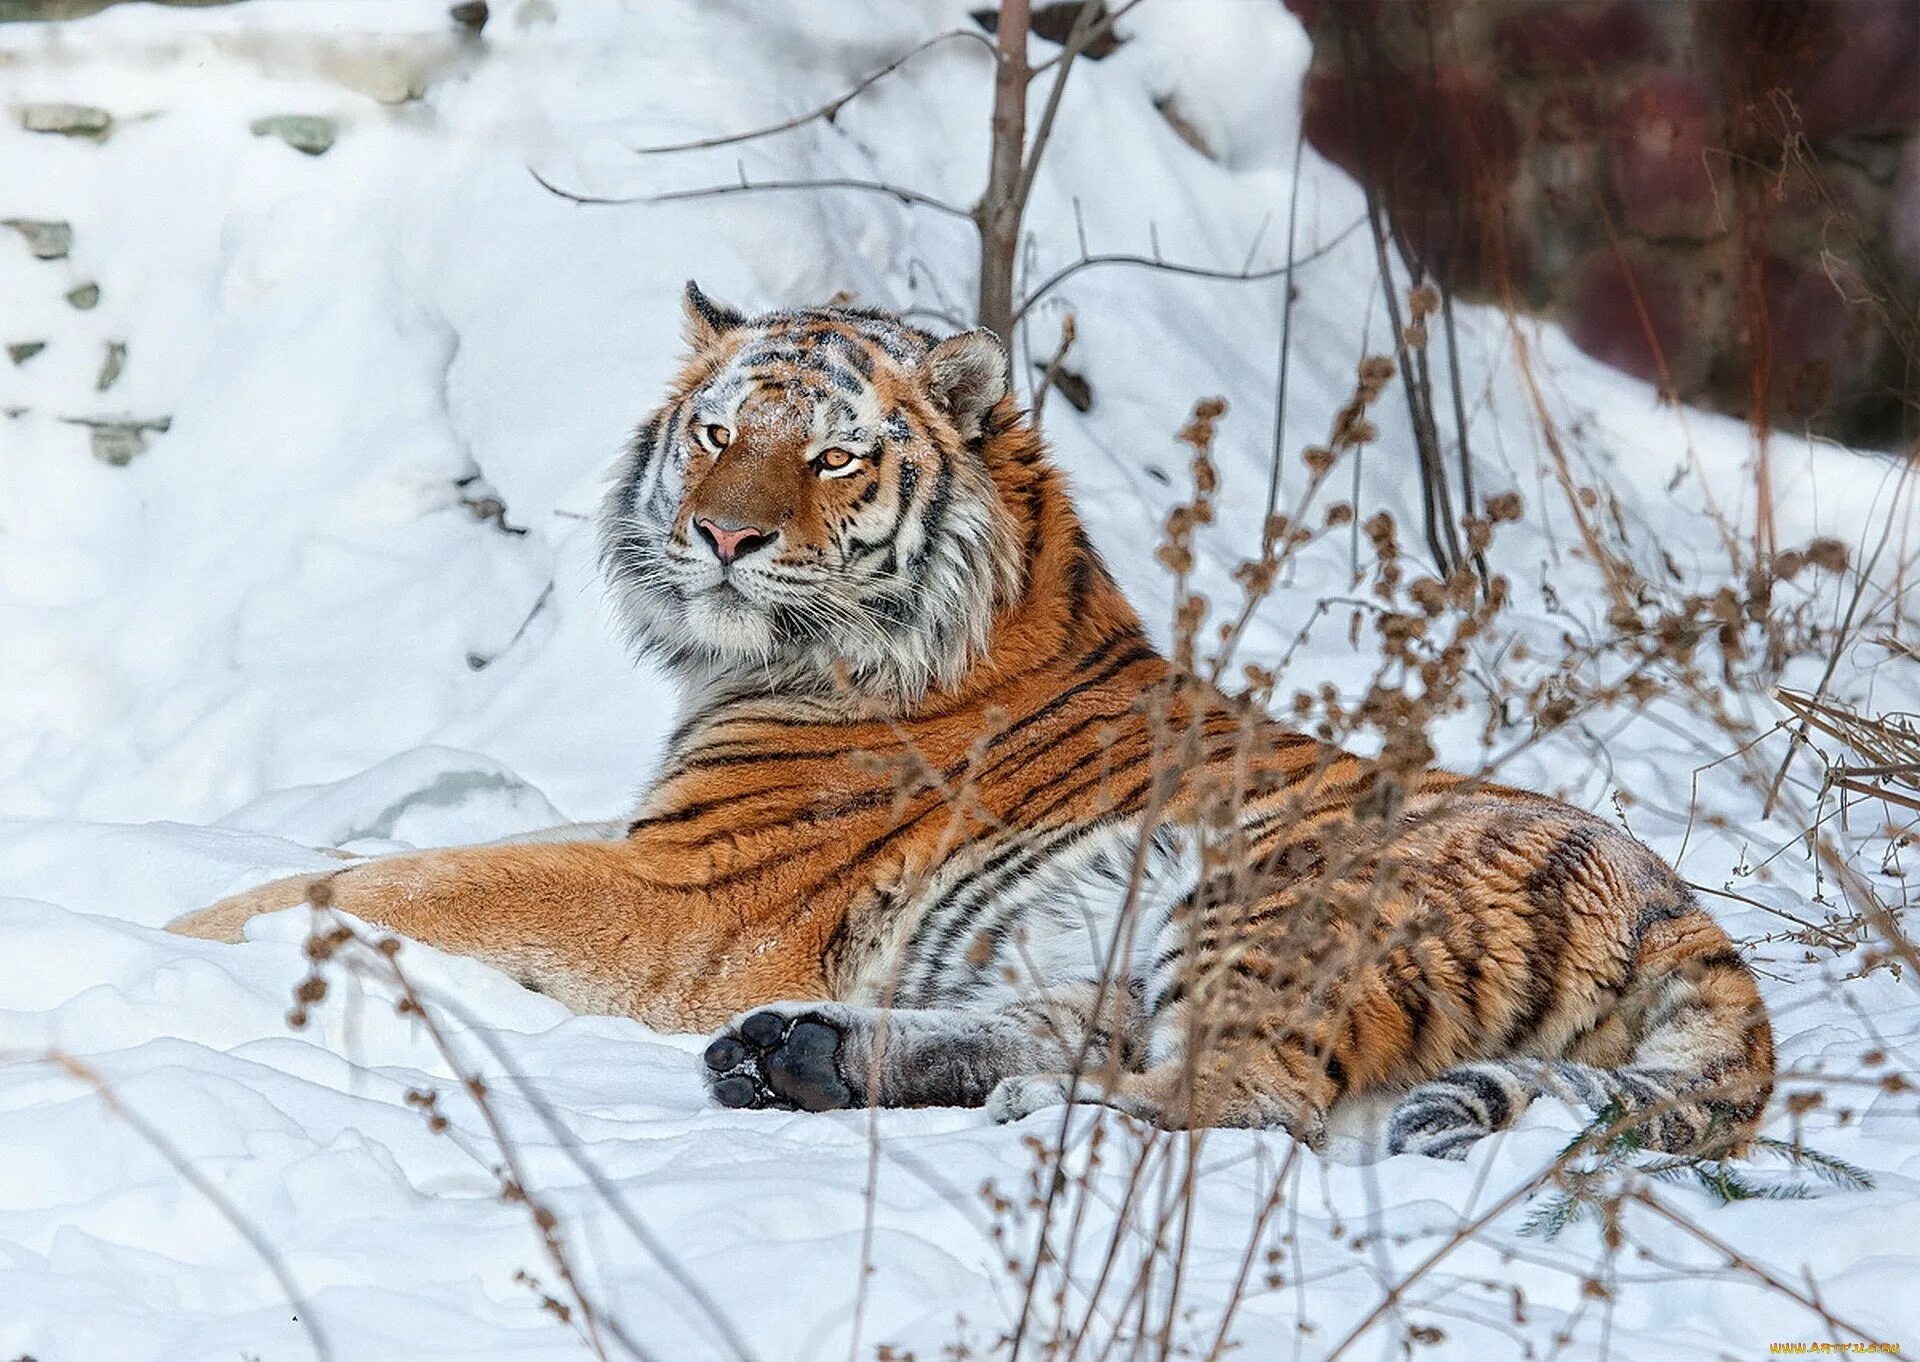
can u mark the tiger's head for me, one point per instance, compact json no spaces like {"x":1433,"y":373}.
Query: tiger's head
{"x":813,"y":503}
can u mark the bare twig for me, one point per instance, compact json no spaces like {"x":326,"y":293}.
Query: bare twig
{"x":194,"y":1178}
{"x":1845,"y":631}
{"x":1051,"y":374}
{"x":1154,"y":262}
{"x":1100,"y":29}
{"x":610,"y":1195}
{"x":1740,"y":1262}
{"x":1076,"y":43}
{"x":827,"y":111}
{"x":1278,"y":452}
{"x":911,"y":197}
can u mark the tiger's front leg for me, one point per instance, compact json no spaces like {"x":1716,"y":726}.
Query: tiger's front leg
{"x":824,"y":1056}
{"x":580,"y":921}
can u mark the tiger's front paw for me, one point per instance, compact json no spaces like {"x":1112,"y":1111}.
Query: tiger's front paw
{"x":779,"y":1058}
{"x":227,"y":920}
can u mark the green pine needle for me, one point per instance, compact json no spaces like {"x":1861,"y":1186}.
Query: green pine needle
{"x":1837,"y":1171}
{"x":1590,"y":1183}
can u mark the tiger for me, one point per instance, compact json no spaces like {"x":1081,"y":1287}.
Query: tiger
{"x":940,"y":826}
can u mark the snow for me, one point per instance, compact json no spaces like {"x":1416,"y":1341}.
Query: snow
{"x":279,"y":628}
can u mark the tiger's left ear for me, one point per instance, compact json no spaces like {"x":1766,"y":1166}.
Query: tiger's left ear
{"x":707,"y":320}
{"x":969,"y":376}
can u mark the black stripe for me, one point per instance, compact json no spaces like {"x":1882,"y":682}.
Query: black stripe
{"x":643,"y":451}
{"x":930,"y":523}
{"x":842,"y":379}
{"x":1547,"y":927}
{"x":1492,"y":1096}
{"x":753,"y":759}
{"x":985,"y":882}
{"x":1034,"y":817}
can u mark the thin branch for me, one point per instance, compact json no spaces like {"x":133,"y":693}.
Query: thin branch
{"x":1468,"y":495}
{"x":194,"y":1178}
{"x":1840,"y":636}
{"x":1741,"y":1263}
{"x":746,"y":186}
{"x":514,"y":1183}
{"x":1076,"y":43}
{"x":1100,"y":29}
{"x":1066,"y":272}
{"x":1435,"y":498}
{"x":610,"y":1195}
{"x":1286,"y":337}
{"x":1051,"y":374}
{"x":826,"y":111}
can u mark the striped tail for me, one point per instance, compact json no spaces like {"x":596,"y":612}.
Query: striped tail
{"x":1698,"y":1079}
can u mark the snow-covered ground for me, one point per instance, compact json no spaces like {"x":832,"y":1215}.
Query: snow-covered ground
{"x":284,"y":625}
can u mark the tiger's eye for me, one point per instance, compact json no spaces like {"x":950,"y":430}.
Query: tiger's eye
{"x":718,"y":436}
{"x":836,"y":458}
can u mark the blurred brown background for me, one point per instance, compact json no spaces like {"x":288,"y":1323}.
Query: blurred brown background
{"x":1720,"y":196}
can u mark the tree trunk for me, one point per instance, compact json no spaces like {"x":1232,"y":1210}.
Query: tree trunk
{"x":998,"y":212}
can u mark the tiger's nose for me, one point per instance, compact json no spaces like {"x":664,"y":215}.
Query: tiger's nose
{"x":729,"y":541}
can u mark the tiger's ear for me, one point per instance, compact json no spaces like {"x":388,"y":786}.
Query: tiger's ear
{"x":707,"y":320}
{"x":969,"y":375}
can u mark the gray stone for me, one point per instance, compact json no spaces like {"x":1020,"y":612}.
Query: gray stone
{"x":47,"y":240}
{"x":111,"y":367}
{"x":309,"y":133}
{"x":118,"y":446}
{"x":68,"y":120}
{"x":119,"y":441}
{"x":43,"y":11}
{"x":85,"y":296}
{"x":22,"y":351}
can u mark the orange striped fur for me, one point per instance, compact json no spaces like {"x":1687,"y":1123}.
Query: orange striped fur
{"x":940,"y":825}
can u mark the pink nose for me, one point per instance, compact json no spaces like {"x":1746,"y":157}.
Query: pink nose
{"x":729,"y":542}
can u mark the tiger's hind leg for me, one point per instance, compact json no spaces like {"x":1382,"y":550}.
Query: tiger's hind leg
{"x":1697,"y":1079}
{"x":820,"y":1056}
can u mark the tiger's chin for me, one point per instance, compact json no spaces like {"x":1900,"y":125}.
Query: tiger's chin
{"x":728,"y":628}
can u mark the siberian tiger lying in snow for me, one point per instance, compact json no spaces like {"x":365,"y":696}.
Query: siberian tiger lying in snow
{"x":932,"y":786}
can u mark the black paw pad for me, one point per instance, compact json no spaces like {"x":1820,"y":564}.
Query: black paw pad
{"x":736,"y":1091}
{"x":763,"y":1029}
{"x":778,"y":1061}
{"x":802,"y":1069}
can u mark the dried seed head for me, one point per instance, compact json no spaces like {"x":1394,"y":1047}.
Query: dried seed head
{"x":1376,"y":371}
{"x":1829,"y":555}
{"x":1504,"y":506}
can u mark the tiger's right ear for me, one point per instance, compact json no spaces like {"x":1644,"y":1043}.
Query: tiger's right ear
{"x":707,"y":320}
{"x":968,"y":375}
